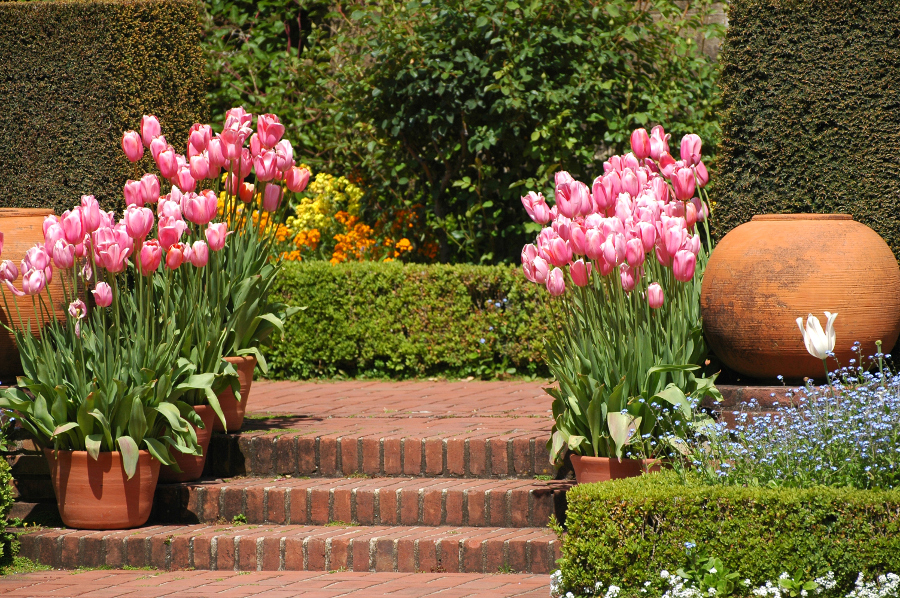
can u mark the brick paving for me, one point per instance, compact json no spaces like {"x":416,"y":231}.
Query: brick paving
{"x":203,"y":584}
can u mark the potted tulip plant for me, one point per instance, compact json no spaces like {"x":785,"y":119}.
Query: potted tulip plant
{"x":102,"y":390}
{"x":622,"y":263}
{"x":249,"y":211}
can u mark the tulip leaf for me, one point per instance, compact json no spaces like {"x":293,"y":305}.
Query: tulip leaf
{"x":622,"y":427}
{"x":92,"y":444}
{"x":129,"y":451}
{"x":159,"y":451}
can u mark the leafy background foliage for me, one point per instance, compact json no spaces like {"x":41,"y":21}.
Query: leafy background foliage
{"x":456,"y":109}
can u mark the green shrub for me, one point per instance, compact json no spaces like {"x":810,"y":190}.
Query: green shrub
{"x":627,"y":531}
{"x":460,"y":107}
{"x":391,"y":319}
{"x":74,"y":76}
{"x":812,"y":112}
{"x":8,"y":543}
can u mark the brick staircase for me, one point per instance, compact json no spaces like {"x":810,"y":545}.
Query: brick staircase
{"x":406,"y":477}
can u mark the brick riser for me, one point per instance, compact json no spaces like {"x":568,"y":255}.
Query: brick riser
{"x":298,"y":548}
{"x":522,"y":455}
{"x":384,"y":501}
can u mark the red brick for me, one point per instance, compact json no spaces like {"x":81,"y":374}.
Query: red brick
{"x":360,"y":549}
{"x":136,"y":551}
{"x":406,"y":555}
{"x":271,"y":557}
{"x":328,"y":465}
{"x":477,"y":457}
{"x":319,"y":499}
{"x":522,"y":459}
{"x":542,"y":465}
{"x":392,"y":456}
{"x":431,"y":507}
{"x":263,"y":455}
{"x":499,"y":461}
{"x":365,"y":506}
{"x":371,"y":447}
{"x":286,"y":455}
{"x":412,"y":456}
{"x":434,"y":456}
{"x":456,"y":453}
{"x":211,"y":503}
{"x":225,"y":553}
{"x":494,"y":558}
{"x":244,"y":446}
{"x":233,"y":501}
{"x":448,"y":550}
{"x":454,"y":507}
{"x":475,"y":508}
{"x":247,"y":554}
{"x":518,"y":508}
{"x":159,"y":548}
{"x":498,"y":507}
{"x":254,"y":508}
{"x":195,"y":501}
{"x":275,"y":505}
{"x":340,"y":553}
{"x":298,"y":506}
{"x":181,"y":553}
{"x":349,"y":455}
{"x":69,"y":551}
{"x":293,"y":553}
{"x":409,"y":506}
{"x":387,"y":506}
{"x":473,"y":555}
{"x":540,"y":556}
{"x":341,"y":504}
{"x":315,"y":549}
{"x":306,"y":456}
{"x":541,"y":508}
{"x":518,"y":558}
{"x":428,"y":561}
{"x":202,"y":550}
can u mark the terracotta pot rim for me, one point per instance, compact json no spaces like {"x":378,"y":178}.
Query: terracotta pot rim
{"x":28,"y":212}
{"x":48,"y":449}
{"x":239,"y":358}
{"x":590,"y":458}
{"x":803,"y":216}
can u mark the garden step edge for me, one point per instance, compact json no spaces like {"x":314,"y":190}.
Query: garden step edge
{"x":298,"y":548}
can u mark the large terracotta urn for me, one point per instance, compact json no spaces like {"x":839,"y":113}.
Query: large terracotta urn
{"x":604,"y":469}
{"x":191,"y":466}
{"x":22,"y":229}
{"x":766,"y":273}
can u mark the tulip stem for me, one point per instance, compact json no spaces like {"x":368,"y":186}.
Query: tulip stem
{"x":828,"y":378}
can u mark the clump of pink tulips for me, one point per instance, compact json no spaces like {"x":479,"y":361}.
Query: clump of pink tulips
{"x":623,"y":259}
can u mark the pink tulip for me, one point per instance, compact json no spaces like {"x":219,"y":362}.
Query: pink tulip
{"x":631,"y":162}
{"x":655,"y":296}
{"x":629,"y":278}
{"x":246,"y":192}
{"x":630,"y":183}
{"x":184,"y":180}
{"x":256,"y":147}
{"x":132,"y":145}
{"x":634,"y":252}
{"x":529,"y":252}
{"x":266,"y":165}
{"x":269,"y":129}
{"x":90,"y":213}
{"x":63,"y":255}
{"x":541,"y":270}
{"x":640,"y":143}
{"x":683,"y":183}
{"x":561,"y":178}
{"x":175,"y":256}
{"x":690,"y":214}
{"x":614,"y":250}
{"x":604,"y":267}
{"x":659,"y":142}
{"x":199,"y":167}
{"x":271,"y":197}
{"x":157,"y":145}
{"x":232,"y":142}
{"x":77,"y":309}
{"x":33,"y":282}
{"x":580,"y":273}
{"x":246,"y":164}
{"x":134,"y":193}
{"x":601,"y":195}
{"x":196,"y":209}
{"x":149,"y":188}
{"x":659,"y":189}
{"x":150,"y":129}
{"x":8,"y":271}
{"x":672,"y":239}
{"x":285,"y":154}
{"x":167,"y":163}
{"x":114,"y":257}
{"x":73,"y":227}
{"x":593,"y":244}
{"x":138,"y":222}
{"x":150,"y":256}
{"x":692,"y":244}
{"x":297,"y":178}
{"x":216,"y":153}
{"x":560,"y":252}
{"x":199,"y":136}
{"x":577,"y":240}
{"x":237,"y":118}
{"x":216,"y":234}
{"x":556,"y":284}
{"x":199,"y":254}
{"x":169,"y":209}
{"x":667,"y":165}
{"x":170,"y":231}
{"x":614,"y":164}
{"x":690,"y":149}
{"x":702,"y":174}
{"x":103,"y":296}
{"x":569,"y":198}
{"x":683,"y":265}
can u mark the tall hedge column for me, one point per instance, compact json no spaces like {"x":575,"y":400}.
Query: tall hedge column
{"x":74,"y":76}
{"x":811,"y":91}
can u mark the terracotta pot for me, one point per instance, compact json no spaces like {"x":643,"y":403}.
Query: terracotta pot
{"x":766,"y":273}
{"x":231,"y":407}
{"x":604,"y":469}
{"x":95,"y":494}
{"x":191,"y":465}
{"x":22,"y":229}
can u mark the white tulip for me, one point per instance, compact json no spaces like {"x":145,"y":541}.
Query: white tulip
{"x":819,"y":343}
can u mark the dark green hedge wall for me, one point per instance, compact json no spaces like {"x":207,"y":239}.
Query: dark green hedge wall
{"x":376,"y":319}
{"x":811,"y":92}
{"x":627,"y":531}
{"x":74,"y":76}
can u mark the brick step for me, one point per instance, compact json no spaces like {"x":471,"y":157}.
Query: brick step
{"x":298,"y":548}
{"x":378,"y":501}
{"x":473,"y":447}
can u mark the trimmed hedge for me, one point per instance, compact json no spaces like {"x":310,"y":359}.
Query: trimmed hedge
{"x":9,"y":544}
{"x":74,"y":76}
{"x":627,"y":531}
{"x":397,"y":320}
{"x":811,"y":91}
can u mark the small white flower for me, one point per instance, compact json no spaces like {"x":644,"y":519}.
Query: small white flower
{"x":664,"y":574}
{"x":713,"y":571}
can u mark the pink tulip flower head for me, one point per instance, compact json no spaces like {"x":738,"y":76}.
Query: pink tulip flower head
{"x":541,"y":270}
{"x":132,"y":145}
{"x":134,"y":193}
{"x":284,"y":152}
{"x":269,"y":129}
{"x":667,"y":165}
{"x":629,"y":277}
{"x":150,"y":129}
{"x":630,"y":161}
{"x":655,"y":296}
{"x":157,"y":145}
{"x":690,"y":149}
{"x":593,"y":244}
{"x":237,"y":118}
{"x":169,"y":209}
{"x":561,"y":178}
{"x":702,"y":174}
{"x":175,"y":256}
{"x":170,"y":231}
{"x":271,"y":197}
{"x":184,"y":180}
{"x":33,"y":282}
{"x":199,"y":254}
{"x":196,"y":209}
{"x":63,"y":255}
{"x":630,"y":183}
{"x":90,"y":213}
{"x":167,"y":162}
{"x":640,"y":143}
{"x":534,"y":203}
{"x":266,"y":165}
{"x":103,"y":296}
{"x":149,"y":188}
{"x":560,"y":252}
{"x":199,"y":136}
{"x":683,"y":265}
{"x":659,"y":142}
{"x":246,"y":192}
{"x":577,"y":239}
{"x":138,"y":222}
{"x":232,"y":142}
{"x":683,"y":184}
{"x":256,"y":147}
{"x":216,"y":154}
{"x":580,"y":273}
{"x":150,"y":257}
{"x":36,"y":258}
{"x":199,"y":168}
{"x":556,"y":283}
{"x":8,"y":271}
{"x":216,"y":233}
{"x":72,"y":225}
{"x":114,"y":257}
{"x":77,"y":309}
{"x":634,"y":252}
